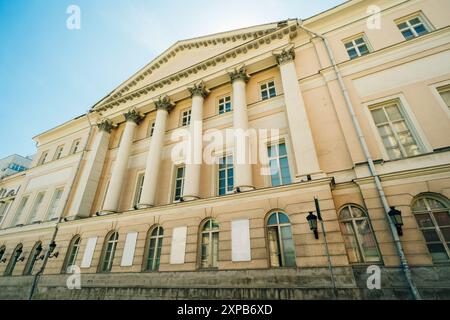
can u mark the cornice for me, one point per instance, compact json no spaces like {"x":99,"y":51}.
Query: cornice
{"x":261,"y":38}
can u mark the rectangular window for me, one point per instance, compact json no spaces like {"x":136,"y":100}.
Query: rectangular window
{"x":43,"y":158}
{"x":279,"y":165}
{"x":179,"y":183}
{"x":3,"y":207}
{"x":413,"y":27}
{"x":36,"y":206}
{"x":75,"y":146}
{"x":226,"y":175}
{"x":268,"y":90}
{"x":445,"y":94}
{"x":186,"y":117}
{"x":225,"y":104}
{"x":151,"y":129}
{"x":20,"y":210}
{"x":357,"y":47}
{"x":58,"y":153}
{"x":54,"y":204}
{"x":395,"y":131}
{"x":138,"y":190}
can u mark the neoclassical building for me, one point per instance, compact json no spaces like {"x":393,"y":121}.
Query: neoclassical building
{"x":200,"y":176}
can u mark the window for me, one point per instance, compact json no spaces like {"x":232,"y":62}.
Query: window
{"x":209,"y":244}
{"x":186,"y":117}
{"x":13,"y":260}
{"x":281,"y":242}
{"x":2,"y":252}
{"x":433,"y":217}
{"x":357,"y":47}
{"x":54,"y":204}
{"x":279,"y":165}
{"x":58,"y":153}
{"x":16,"y":167}
{"x":268,"y":90}
{"x":359,"y":240}
{"x":225,"y":104}
{"x":3,"y":207}
{"x":75,"y":146}
{"x":72,"y":253}
{"x":413,"y":27}
{"x":109,"y":251}
{"x":445,"y":94}
{"x":138,"y":189}
{"x":20,"y":209}
{"x":151,"y":129}
{"x":34,"y":255}
{"x":226,"y":175}
{"x":36,"y":206}
{"x":43,"y":158}
{"x":395,"y":131}
{"x":179,"y":183}
{"x":154,"y":245}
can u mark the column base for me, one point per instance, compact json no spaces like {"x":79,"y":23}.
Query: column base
{"x":311,"y":176}
{"x":240,"y":189}
{"x":144,"y":206}
{"x":190,"y":198}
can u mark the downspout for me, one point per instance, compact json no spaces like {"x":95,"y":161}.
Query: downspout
{"x":403,"y":262}
{"x":47,"y":254}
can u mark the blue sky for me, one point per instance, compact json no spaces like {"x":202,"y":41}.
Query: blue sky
{"x":50,"y":74}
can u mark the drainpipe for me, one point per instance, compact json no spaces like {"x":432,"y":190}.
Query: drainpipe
{"x":362,"y":140}
{"x":47,"y":254}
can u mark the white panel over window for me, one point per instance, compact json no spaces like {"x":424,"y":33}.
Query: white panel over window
{"x":89,"y":252}
{"x":240,"y":240}
{"x":128,"y":251}
{"x":178,"y":248}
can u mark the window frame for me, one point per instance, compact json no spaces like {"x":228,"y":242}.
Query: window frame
{"x":75,"y":243}
{"x":75,"y":146}
{"x":224,"y":97}
{"x":280,"y":244}
{"x":436,"y":91}
{"x":58,"y":152}
{"x":20,"y":213}
{"x":108,"y":239}
{"x":52,"y":199}
{"x":277,"y":144}
{"x":174,"y":182}
{"x":43,"y":158}
{"x":210,"y":234}
{"x":185,"y":114}
{"x":136,"y":198}
{"x":38,"y":207}
{"x":355,"y":46}
{"x":266,"y":82}
{"x":409,"y":117}
{"x":151,"y":128}
{"x":9,"y":270}
{"x":406,"y":19}
{"x":159,"y":240}
{"x":33,"y":258}
{"x":217,"y":175}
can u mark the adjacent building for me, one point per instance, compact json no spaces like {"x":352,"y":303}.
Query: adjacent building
{"x":13,"y":164}
{"x":195,"y":178}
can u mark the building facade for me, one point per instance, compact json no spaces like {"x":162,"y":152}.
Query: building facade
{"x":195,"y":177}
{"x":13,"y":164}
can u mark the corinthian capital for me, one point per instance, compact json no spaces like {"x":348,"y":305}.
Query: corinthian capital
{"x":134,"y":116}
{"x":164,"y":103}
{"x":199,"y":90}
{"x":105,"y":125}
{"x":239,"y":74}
{"x":285,"y":55}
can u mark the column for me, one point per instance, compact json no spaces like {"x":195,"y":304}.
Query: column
{"x":120,"y":167}
{"x":163,"y":107}
{"x":243,"y":180}
{"x":300,"y":131}
{"x":90,"y":176}
{"x":194,"y":159}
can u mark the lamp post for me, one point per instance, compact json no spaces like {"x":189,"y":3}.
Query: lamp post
{"x":312,"y":221}
{"x":396,"y":216}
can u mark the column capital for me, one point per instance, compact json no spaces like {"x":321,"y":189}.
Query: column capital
{"x":284,"y":56}
{"x":239,"y":74}
{"x":164,"y":103}
{"x":199,"y":89}
{"x":134,"y":116}
{"x":105,"y":125}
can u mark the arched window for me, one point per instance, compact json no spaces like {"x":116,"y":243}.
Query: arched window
{"x":72,"y":253}
{"x":109,"y":250}
{"x":209,"y":244}
{"x":154,"y":245}
{"x":34,"y":255}
{"x":281,"y":242}
{"x":13,"y":260}
{"x":432,"y":213}
{"x":358,"y":235}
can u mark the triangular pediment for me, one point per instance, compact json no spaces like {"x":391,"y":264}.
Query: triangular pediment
{"x":187,"y":53}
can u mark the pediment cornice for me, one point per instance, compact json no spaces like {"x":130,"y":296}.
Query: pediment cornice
{"x":257,"y":40}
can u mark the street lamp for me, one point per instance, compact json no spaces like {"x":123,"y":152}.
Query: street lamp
{"x":396,"y":216}
{"x":312,"y":221}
